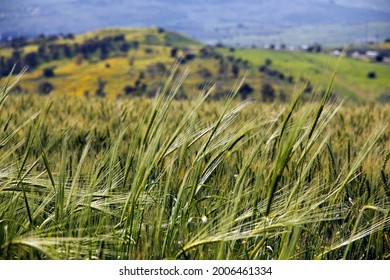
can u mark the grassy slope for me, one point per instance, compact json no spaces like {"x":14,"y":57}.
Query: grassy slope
{"x":76,"y":79}
{"x":351,"y":79}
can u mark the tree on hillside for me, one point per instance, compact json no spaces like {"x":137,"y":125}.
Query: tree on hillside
{"x":174,"y":52}
{"x":207,"y":52}
{"x":135,"y":45}
{"x":263,"y":68}
{"x":205,"y":73}
{"x":371,"y":75}
{"x":161,"y":67}
{"x":282,"y":96}
{"x":42,"y":51}
{"x":104,"y":51}
{"x":48,"y":72}
{"x":16,"y":54}
{"x":69,"y":36}
{"x":245,"y":91}
{"x":138,"y":89}
{"x":222,"y":67}
{"x":18,"y":42}
{"x":267,"y":93}
{"x":119,"y":38}
{"x":307,"y":84}
{"x":54,"y":51}
{"x":315,"y":48}
{"x":68,"y":51}
{"x":235,"y":70}
{"x":205,"y":86}
{"x":379,"y":58}
{"x":45,"y":88}
{"x":3,"y":69}
{"x":15,"y":61}
{"x":148,"y":50}
{"x":100,"y":90}
{"x":124,"y":47}
{"x":129,"y":90}
{"x":308,"y":87}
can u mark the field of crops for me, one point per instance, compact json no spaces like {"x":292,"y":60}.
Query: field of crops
{"x":93,"y":178}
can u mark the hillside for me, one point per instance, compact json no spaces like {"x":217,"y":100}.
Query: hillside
{"x":351,"y":81}
{"x":132,"y":62}
{"x":128,"y":62}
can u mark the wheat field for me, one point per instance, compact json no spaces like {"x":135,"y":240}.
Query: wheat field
{"x":92,"y":178}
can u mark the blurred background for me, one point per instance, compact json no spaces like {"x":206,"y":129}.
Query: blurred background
{"x":231,"y":22}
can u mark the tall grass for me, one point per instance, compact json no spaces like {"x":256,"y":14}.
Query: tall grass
{"x":192,"y":179}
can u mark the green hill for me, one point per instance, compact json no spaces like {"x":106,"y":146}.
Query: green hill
{"x":351,"y":80}
{"x":132,"y":62}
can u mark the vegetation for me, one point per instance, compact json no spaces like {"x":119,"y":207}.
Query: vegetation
{"x":92,"y":178}
{"x":118,"y":63}
{"x":130,"y":61}
{"x":352,"y":80}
